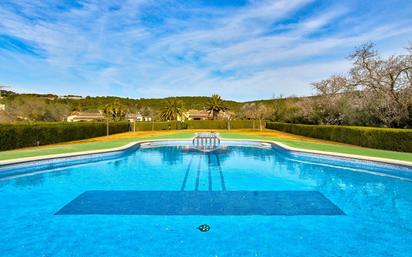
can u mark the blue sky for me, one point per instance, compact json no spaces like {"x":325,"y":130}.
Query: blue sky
{"x":242,"y":50}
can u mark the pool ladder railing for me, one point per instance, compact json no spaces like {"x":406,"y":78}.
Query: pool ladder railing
{"x":206,"y":139}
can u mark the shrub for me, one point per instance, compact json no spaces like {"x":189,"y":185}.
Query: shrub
{"x":381,"y":138}
{"x":19,"y":135}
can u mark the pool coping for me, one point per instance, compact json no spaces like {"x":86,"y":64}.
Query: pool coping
{"x":131,"y":144}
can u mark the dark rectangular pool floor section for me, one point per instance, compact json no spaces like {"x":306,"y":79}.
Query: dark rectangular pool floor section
{"x":205,"y":203}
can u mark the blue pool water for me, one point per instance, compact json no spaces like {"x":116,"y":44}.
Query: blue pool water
{"x":258,"y":200}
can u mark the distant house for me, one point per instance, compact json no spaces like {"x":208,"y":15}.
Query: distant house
{"x":137,"y":117}
{"x":96,"y":116}
{"x":197,"y":115}
{"x":85,"y":116}
{"x":71,"y":97}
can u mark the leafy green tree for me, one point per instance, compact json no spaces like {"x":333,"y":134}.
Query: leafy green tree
{"x":172,"y":110}
{"x":115,"y":111}
{"x":215,"y":105}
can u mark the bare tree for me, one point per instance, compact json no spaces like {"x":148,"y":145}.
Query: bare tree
{"x":332,"y":103}
{"x":255,"y":111}
{"x":384,"y":81}
{"x":262,"y":113}
{"x":377,"y":91}
{"x":247,"y":111}
{"x":149,"y":112}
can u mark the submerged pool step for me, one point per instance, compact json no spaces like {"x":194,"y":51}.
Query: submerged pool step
{"x":205,"y":203}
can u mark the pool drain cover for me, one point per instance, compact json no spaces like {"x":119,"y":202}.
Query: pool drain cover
{"x":204,"y":228}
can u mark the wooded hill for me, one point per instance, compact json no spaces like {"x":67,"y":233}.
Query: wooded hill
{"x":94,"y":103}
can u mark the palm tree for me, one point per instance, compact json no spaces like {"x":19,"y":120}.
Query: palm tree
{"x":172,"y":110}
{"x":115,"y":111}
{"x":215,"y":105}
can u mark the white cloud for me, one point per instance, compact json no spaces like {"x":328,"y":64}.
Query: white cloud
{"x":242,"y":53}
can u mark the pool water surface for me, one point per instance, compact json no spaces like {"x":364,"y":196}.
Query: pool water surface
{"x":257,"y":199}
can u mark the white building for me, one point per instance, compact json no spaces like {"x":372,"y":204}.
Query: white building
{"x":138,"y":117}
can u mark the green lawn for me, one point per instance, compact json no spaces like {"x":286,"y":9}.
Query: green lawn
{"x":330,"y":147}
{"x":70,"y":148}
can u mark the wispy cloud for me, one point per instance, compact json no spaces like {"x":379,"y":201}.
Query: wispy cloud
{"x":161,"y":48}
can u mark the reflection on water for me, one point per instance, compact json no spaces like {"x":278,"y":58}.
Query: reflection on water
{"x":348,"y":187}
{"x":377,"y":208}
{"x":36,"y":178}
{"x":171,"y":155}
{"x":353,"y":189}
{"x":261,"y":154}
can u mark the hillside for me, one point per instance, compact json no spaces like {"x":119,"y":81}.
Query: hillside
{"x":90,"y":103}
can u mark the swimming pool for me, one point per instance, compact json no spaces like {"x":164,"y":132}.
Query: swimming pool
{"x":257,"y":198}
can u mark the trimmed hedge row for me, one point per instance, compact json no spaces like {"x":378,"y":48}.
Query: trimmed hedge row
{"x":19,"y":135}
{"x":206,"y":124}
{"x":223,"y":124}
{"x":380,"y":138}
{"x":196,"y":124}
{"x":251,"y":124}
{"x":147,"y":125}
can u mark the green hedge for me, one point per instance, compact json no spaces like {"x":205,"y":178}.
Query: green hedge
{"x":380,"y":138}
{"x":19,"y":135}
{"x":206,"y":124}
{"x":252,"y":124}
{"x":167,"y":125}
{"x":195,"y":124}
{"x":222,"y":124}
